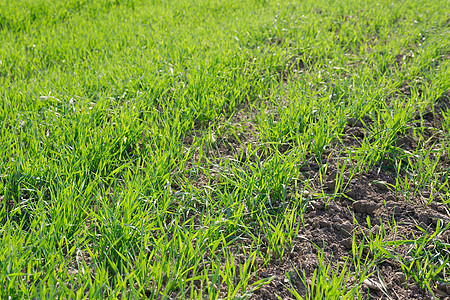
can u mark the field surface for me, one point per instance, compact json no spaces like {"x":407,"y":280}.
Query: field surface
{"x":208,"y":149}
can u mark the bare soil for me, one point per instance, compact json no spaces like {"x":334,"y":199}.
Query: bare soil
{"x":331,"y":227}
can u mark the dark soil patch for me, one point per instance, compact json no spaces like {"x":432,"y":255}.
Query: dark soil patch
{"x":332,"y":226}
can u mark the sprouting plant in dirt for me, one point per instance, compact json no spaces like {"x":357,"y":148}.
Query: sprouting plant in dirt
{"x":426,"y":258}
{"x":327,"y":281}
{"x":236,"y":272}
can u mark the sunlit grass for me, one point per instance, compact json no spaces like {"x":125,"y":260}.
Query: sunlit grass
{"x":128,"y":169}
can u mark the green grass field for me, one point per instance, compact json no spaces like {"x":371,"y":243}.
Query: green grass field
{"x":209,"y":149}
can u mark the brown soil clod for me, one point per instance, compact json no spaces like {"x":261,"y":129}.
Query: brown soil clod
{"x":364,"y":206}
{"x":400,"y":278}
{"x":393,"y":207}
{"x":347,"y":243}
{"x":443,"y":286}
{"x":346,"y":228}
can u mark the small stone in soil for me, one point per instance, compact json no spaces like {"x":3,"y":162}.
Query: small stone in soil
{"x":375,"y":229}
{"x":372,"y":284}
